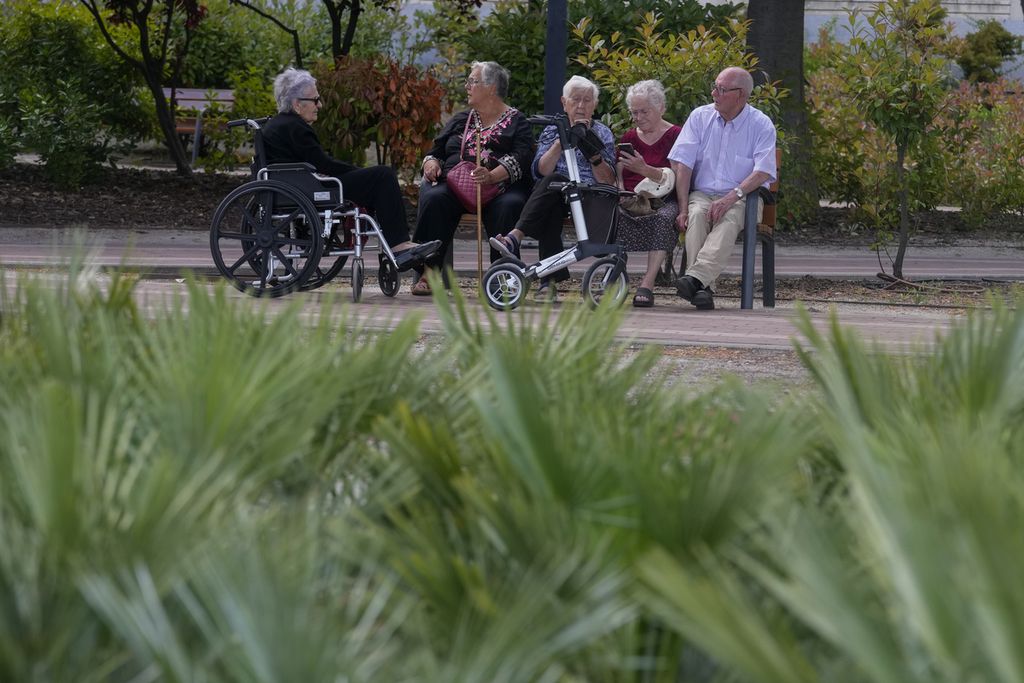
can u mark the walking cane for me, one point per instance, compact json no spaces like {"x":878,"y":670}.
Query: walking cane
{"x":479,"y":221}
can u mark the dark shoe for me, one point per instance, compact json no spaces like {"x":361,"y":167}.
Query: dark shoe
{"x":506,"y":245}
{"x":644,"y":298}
{"x":414,"y":256}
{"x":687,"y":287}
{"x":703,"y":300}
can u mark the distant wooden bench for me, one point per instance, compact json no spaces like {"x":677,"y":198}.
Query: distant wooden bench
{"x":189,"y":105}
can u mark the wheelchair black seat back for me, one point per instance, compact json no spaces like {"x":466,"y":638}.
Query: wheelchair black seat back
{"x":290,"y":229}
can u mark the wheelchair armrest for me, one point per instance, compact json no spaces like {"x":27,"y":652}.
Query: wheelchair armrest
{"x":292,"y":166}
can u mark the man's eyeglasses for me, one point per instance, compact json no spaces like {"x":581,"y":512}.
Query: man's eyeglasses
{"x":721,"y":91}
{"x":470,"y":82}
{"x":314,"y":100}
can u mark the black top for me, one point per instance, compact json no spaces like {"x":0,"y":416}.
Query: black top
{"x":509,"y":142}
{"x":289,"y":139}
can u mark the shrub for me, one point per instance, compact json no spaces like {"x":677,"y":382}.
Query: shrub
{"x":983,"y":134}
{"x":254,"y":98}
{"x":514,"y":34}
{"x":685,"y":63}
{"x":67,"y":87}
{"x":983,"y":52}
{"x":394,"y":108}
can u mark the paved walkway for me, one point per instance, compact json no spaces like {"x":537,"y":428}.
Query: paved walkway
{"x":164,"y":254}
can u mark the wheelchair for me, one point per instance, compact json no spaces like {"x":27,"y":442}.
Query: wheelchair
{"x":507,"y":282}
{"x":290,"y":229}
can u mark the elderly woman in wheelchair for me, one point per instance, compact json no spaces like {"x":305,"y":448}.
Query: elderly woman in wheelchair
{"x":294,"y":227}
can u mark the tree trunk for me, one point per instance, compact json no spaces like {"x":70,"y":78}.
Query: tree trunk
{"x":165,"y":118}
{"x":901,"y":183}
{"x":776,"y":37}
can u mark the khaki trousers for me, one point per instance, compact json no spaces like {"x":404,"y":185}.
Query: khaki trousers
{"x":708,"y":247}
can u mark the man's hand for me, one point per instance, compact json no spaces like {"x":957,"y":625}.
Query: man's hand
{"x":720,"y":206}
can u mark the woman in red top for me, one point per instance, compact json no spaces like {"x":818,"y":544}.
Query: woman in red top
{"x":651,"y":140}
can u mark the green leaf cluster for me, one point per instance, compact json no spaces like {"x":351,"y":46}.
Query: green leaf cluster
{"x":686,"y":63}
{"x":514,"y":33}
{"x":215,"y":491}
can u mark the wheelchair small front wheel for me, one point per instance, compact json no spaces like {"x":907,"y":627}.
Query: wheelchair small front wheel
{"x":504,"y":286}
{"x":600,"y":282}
{"x":387,"y":276}
{"x":357,"y":279}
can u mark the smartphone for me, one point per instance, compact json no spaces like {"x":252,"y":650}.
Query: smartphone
{"x":625,"y":147}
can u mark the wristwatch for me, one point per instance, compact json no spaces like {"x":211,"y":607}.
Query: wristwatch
{"x":739,"y":192}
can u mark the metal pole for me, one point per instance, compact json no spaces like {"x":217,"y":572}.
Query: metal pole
{"x":555,"y":52}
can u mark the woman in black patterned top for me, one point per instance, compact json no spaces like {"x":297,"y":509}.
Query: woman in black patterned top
{"x":507,"y":148}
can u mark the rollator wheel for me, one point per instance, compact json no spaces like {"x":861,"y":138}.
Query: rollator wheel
{"x":357,"y":279}
{"x":265,"y":238}
{"x":330,"y":264}
{"x":387,"y":277}
{"x":504,"y":286}
{"x":598,"y":283}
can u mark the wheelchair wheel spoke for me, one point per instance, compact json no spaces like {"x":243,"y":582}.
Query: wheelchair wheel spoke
{"x":244,"y":258}
{"x":286,"y":262}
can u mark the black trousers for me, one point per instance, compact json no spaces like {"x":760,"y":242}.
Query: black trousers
{"x":438,"y":215}
{"x":376,"y":190}
{"x":542,"y":219}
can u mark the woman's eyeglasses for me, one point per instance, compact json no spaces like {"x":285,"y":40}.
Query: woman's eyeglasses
{"x":314,"y":100}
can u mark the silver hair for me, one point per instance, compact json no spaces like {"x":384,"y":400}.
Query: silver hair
{"x":289,"y":86}
{"x":492,"y":73}
{"x":580,"y":83}
{"x":652,"y":91}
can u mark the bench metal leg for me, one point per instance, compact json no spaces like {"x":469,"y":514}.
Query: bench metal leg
{"x":767,"y":270}
{"x":749,"y":247}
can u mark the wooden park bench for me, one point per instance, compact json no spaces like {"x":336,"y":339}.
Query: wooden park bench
{"x":189,"y":105}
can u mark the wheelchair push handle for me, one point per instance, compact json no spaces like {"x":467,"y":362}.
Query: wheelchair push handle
{"x":248,"y":123}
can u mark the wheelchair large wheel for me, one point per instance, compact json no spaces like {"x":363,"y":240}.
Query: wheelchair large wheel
{"x":599,"y":282}
{"x":330,"y":264}
{"x":265,"y":238}
{"x":504,"y":286}
{"x":387,"y":276}
{"x":357,"y":279}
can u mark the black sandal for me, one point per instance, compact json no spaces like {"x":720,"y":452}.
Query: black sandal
{"x":644,"y":298}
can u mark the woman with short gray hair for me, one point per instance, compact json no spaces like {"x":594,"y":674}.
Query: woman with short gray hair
{"x":643,"y":159}
{"x":289,"y":137}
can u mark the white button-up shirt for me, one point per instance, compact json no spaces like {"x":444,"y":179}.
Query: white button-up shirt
{"x":723,"y":153}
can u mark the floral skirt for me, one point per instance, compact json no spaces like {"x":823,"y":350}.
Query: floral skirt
{"x":653,"y":232}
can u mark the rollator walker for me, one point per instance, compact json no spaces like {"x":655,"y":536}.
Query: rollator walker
{"x":290,"y":229}
{"x":507,"y":282}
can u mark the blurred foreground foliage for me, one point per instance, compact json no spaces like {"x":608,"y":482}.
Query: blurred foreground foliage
{"x":231,"y":490}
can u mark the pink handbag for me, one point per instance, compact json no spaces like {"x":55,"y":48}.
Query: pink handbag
{"x":460,"y":181}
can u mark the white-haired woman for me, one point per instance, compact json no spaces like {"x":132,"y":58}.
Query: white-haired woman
{"x":289,"y":137}
{"x":650,"y":140}
{"x":544,"y":212}
{"x":506,"y":142}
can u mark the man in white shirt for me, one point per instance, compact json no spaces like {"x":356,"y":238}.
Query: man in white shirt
{"x":726,"y":151}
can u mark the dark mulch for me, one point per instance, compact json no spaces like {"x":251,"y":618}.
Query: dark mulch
{"x":132,"y":198}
